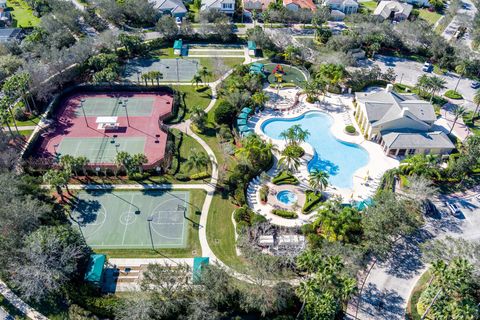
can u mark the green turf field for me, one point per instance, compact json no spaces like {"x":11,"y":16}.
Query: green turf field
{"x":113,"y":106}
{"x":133,"y":219}
{"x":100,"y":150}
{"x":292,"y":74}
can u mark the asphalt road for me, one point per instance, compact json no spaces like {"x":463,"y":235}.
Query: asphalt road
{"x":409,"y":71}
{"x":389,"y":284}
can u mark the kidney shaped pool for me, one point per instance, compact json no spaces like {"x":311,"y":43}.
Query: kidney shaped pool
{"x":340,"y":159}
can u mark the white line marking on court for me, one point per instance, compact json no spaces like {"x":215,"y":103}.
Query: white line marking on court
{"x":126,"y":225}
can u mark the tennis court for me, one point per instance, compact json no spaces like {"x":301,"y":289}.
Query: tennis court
{"x":171,"y":69}
{"x":133,"y":219}
{"x":100,"y":150}
{"x":112,"y":106}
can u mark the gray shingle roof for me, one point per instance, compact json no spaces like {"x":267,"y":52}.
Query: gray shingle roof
{"x":174,"y":6}
{"x":414,"y":140}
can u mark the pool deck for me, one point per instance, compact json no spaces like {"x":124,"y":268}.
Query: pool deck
{"x":365,"y":179}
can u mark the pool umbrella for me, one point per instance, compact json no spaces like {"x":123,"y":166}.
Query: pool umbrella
{"x":241,"y":122}
{"x":247,"y":110}
{"x":243,"y":116}
{"x":243,"y":128}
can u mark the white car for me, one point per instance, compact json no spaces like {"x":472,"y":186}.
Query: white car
{"x":454,"y":209}
{"x":427,"y":67}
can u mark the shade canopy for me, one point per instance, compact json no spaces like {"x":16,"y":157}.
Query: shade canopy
{"x":243,"y":128}
{"x":247,"y":110}
{"x":241,"y":122}
{"x":243,"y":115}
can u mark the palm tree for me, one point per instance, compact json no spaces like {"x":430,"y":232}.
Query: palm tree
{"x":5,"y":106}
{"x":311,"y":90}
{"x":460,"y":69}
{"x":68,"y":163}
{"x":198,"y":117}
{"x":198,"y":160}
{"x":205,"y":73}
{"x":157,"y":75}
{"x":318,"y":180}
{"x":123,"y":160}
{"x":476,"y":100}
{"x":436,"y":84}
{"x":260,"y":98}
{"x":423,"y":82}
{"x":146,"y":77}
{"x":426,"y":165}
{"x":290,"y":53}
{"x":139,"y":160}
{"x":255,"y":151}
{"x":289,"y":161}
{"x":82,"y":162}
{"x":374,"y":47}
{"x":196,"y":79}
{"x":458,"y":113}
{"x":57,"y":179}
{"x":5,"y":120}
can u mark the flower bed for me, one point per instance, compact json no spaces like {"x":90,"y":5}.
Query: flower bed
{"x":452,"y":94}
{"x":285,"y":177}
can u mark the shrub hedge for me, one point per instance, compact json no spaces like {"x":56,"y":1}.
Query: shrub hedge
{"x":264,"y":193}
{"x":311,"y":201}
{"x":285,"y":213}
{"x":350,"y":129}
{"x":200,"y":175}
{"x":285,"y":177}
{"x":452,"y":94}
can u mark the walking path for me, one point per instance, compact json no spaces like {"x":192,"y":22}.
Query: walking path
{"x":19,"y":303}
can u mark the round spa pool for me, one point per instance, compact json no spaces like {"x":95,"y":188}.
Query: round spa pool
{"x":287,"y":197}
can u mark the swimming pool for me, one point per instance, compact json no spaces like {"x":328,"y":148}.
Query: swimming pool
{"x":340,"y":159}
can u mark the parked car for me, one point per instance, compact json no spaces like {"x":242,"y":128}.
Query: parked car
{"x":475,"y":85}
{"x":427,"y":67}
{"x":454,"y":209}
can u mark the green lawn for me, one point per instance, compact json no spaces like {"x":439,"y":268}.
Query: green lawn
{"x":30,"y":122}
{"x":430,"y":16}
{"x":421,"y":285}
{"x":467,"y":118}
{"x":26,"y":133}
{"x":197,"y":197}
{"x":370,"y":6}
{"x":200,"y":97}
{"x":220,"y":229}
{"x":22,"y":14}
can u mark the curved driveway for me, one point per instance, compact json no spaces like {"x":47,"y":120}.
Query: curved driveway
{"x":388,"y":286}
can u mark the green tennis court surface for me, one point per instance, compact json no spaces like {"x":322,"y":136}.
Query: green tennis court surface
{"x":172,"y":69}
{"x":133,"y":219}
{"x":115,"y":107}
{"x":101,"y":150}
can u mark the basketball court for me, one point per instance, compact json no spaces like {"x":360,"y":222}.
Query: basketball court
{"x":180,"y":69}
{"x":133,"y":219}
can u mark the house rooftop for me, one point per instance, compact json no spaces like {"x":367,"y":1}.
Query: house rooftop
{"x":417,"y":139}
{"x":178,"y":44}
{"x":174,"y":6}
{"x":7,"y":34}
{"x":385,"y":8}
{"x":304,"y":4}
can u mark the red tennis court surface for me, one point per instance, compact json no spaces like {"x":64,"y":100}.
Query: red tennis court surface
{"x":134,"y":119}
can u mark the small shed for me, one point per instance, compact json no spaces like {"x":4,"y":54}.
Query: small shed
{"x":94,"y":273}
{"x":177,"y":47}
{"x":198,"y":264}
{"x":252,"y":48}
{"x":257,"y":68}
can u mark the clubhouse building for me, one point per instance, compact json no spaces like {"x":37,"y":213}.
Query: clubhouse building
{"x":400,"y":123}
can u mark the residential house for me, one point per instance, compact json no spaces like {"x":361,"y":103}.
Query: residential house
{"x":295,"y":5}
{"x":10,"y":34}
{"x":400,"y":123}
{"x":5,"y":18}
{"x":393,"y":10}
{"x":225,"y":6}
{"x":418,"y":3}
{"x":345,"y":6}
{"x":336,"y":15}
{"x":175,"y":8}
{"x":257,"y":5}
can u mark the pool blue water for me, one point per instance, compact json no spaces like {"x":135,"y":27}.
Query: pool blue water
{"x":287,"y":197}
{"x":340,"y":159}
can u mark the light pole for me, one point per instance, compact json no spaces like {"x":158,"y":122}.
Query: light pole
{"x":401,"y":78}
{"x":83,"y":110}
{"x":149,"y":220}
{"x":126,"y":110}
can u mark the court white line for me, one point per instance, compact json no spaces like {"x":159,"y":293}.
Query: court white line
{"x":126,"y":225}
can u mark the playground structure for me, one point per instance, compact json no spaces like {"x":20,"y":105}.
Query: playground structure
{"x":278,"y":72}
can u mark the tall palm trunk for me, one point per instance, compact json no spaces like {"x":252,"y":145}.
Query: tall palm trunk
{"x":458,"y":82}
{"x":475,"y":113}
{"x":14,"y":120}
